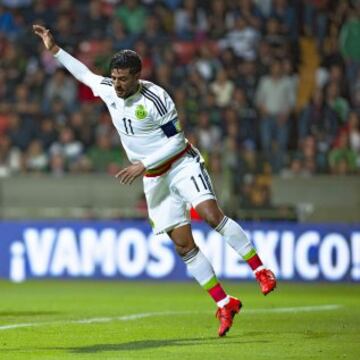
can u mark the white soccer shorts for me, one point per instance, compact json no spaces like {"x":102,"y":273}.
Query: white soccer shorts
{"x":170,"y":195}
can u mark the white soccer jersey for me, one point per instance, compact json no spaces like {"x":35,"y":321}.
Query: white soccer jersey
{"x":138,"y":119}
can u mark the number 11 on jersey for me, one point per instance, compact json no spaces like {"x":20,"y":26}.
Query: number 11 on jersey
{"x":128,"y":126}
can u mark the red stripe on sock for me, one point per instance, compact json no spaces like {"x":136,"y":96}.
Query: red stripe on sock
{"x":254,"y":262}
{"x":217,"y":293}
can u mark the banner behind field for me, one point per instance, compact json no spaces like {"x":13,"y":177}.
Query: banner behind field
{"x":129,"y":250}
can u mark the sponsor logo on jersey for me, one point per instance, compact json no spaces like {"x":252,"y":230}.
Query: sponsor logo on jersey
{"x":140,"y":112}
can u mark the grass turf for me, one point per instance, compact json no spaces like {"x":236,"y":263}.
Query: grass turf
{"x":190,"y":333}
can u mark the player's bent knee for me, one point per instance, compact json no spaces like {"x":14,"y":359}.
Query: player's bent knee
{"x":184,"y":249}
{"x":213,"y":218}
{"x":210,"y":212}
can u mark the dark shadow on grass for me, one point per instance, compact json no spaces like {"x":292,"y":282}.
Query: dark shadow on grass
{"x":143,"y":345}
{"x":153,"y":344}
{"x":27,"y":313}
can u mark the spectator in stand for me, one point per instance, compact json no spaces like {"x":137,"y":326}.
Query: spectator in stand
{"x":64,"y":31}
{"x":228,"y":58}
{"x":349,"y":42}
{"x":208,"y":135}
{"x":214,"y":111}
{"x":120,"y":38}
{"x":165,"y":16}
{"x":102,"y":59}
{"x":69,"y":148}
{"x":274,"y":100}
{"x":218,"y":19}
{"x":275,"y":38}
{"x":3,"y":87}
{"x":23,"y":103}
{"x":153,"y":33}
{"x":330,"y":52}
{"x":163,"y":76}
{"x":223,"y":88}
{"x":103,"y":157}
{"x":82,"y":128}
{"x":291,"y":76}
{"x":196,"y":90}
{"x":318,"y":119}
{"x":47,"y":133}
{"x":133,"y":15}
{"x":354,"y":87}
{"x":249,"y":11}
{"x":14,"y":62}
{"x":312,"y":160}
{"x":96,"y":20}
{"x":4,"y":123}
{"x":40,"y":11}
{"x":8,"y":25}
{"x":242,"y":39}
{"x":247,"y":79}
{"x":190,"y":21}
{"x":352,"y":128}
{"x":35,"y":79}
{"x":62,"y":87}
{"x":264,"y":59}
{"x":21,"y":131}
{"x":35,"y":159}
{"x":144,"y":52}
{"x":342,"y":159}
{"x":205,"y":63}
{"x":316,"y":19}
{"x":285,"y":13}
{"x":10,"y":157}
{"x":57,"y":165}
{"x":337,"y":75}
{"x":336,"y":102}
{"x":246,"y":113}
{"x":58,"y":112}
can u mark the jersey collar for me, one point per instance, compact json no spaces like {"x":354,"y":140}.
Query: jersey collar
{"x":130,"y":98}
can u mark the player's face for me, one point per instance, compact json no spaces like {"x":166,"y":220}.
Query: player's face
{"x":124,"y":82}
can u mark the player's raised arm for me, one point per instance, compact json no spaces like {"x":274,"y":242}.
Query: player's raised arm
{"x":75,"y":67}
{"x":47,"y":38}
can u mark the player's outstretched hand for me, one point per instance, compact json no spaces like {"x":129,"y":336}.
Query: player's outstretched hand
{"x":46,"y":37}
{"x":130,"y":173}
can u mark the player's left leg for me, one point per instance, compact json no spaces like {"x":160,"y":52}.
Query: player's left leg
{"x":192,"y":183}
{"x":236,"y":237}
{"x":200,"y":268}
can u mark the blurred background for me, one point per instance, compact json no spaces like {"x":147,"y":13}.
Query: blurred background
{"x":268,"y":90}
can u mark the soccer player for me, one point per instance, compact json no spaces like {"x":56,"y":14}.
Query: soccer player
{"x":172,"y":169}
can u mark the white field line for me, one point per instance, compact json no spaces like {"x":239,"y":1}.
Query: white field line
{"x":296,"y":309}
{"x":163,"y":313}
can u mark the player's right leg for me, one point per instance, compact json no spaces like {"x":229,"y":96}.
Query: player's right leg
{"x":167,"y":213}
{"x":200,"y":268}
{"x":236,"y":237}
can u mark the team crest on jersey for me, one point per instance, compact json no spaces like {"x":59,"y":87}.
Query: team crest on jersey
{"x":140,"y":112}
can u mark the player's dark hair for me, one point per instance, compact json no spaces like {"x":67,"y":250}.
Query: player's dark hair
{"x":126,"y":59}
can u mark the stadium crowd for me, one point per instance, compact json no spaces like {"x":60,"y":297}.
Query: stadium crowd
{"x":238,"y":70}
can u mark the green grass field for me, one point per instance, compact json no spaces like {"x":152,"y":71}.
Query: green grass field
{"x":92,"y":320}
